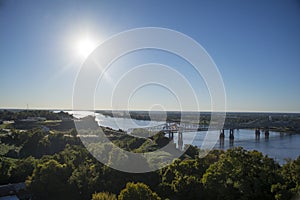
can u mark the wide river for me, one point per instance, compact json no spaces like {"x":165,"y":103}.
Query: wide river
{"x":278,"y":146}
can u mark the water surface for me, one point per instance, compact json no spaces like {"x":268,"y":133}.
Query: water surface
{"x":278,"y":146}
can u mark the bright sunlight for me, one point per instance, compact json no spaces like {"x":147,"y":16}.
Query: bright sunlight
{"x":85,"y":46}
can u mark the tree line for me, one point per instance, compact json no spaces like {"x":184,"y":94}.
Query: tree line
{"x":57,"y":166}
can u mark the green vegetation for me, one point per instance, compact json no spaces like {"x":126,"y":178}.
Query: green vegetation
{"x":25,"y":114}
{"x":104,"y":196}
{"x":241,"y":174}
{"x":139,"y":132}
{"x":55,"y":165}
{"x":138,"y":191}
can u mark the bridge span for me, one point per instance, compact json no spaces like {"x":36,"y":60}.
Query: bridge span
{"x":184,"y":128}
{"x":172,"y":127}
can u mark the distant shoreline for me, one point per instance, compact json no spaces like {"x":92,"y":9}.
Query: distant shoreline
{"x":174,"y":111}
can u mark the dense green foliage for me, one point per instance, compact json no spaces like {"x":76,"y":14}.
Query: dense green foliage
{"x":104,"y":196}
{"x":24,"y":114}
{"x":241,"y":174}
{"x":55,"y":165}
{"x":48,"y":180}
{"x":138,"y":191}
{"x":289,"y":187}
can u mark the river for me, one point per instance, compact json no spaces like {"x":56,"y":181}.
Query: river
{"x":278,"y":146}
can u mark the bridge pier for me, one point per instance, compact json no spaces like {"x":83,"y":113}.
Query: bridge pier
{"x":171,"y":134}
{"x":180,"y":141}
{"x":222,"y":137}
{"x":231,"y":137}
{"x":257,"y":134}
{"x":267,"y":134}
{"x":222,"y":134}
{"x":257,"y":131}
{"x":231,"y":134}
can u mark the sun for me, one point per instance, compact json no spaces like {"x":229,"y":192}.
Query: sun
{"x":85,"y":46}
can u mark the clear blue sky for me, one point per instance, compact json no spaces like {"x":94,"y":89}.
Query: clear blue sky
{"x":255,"y":44}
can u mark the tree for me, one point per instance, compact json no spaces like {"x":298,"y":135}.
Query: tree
{"x":48,"y":181}
{"x":241,"y":174}
{"x":290,"y":186}
{"x":137,"y":191}
{"x":32,"y":143}
{"x":73,"y":132}
{"x":181,"y":179}
{"x":86,"y":178}
{"x":22,"y":169}
{"x":73,"y":156}
{"x":4,"y":170}
{"x":104,"y":196}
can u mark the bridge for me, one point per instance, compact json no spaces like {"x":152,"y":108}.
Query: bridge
{"x":172,"y":127}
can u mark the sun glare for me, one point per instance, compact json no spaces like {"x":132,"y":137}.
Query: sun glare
{"x":85,"y":47}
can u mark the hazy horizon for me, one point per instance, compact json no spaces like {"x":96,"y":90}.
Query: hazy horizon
{"x":201,"y":111}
